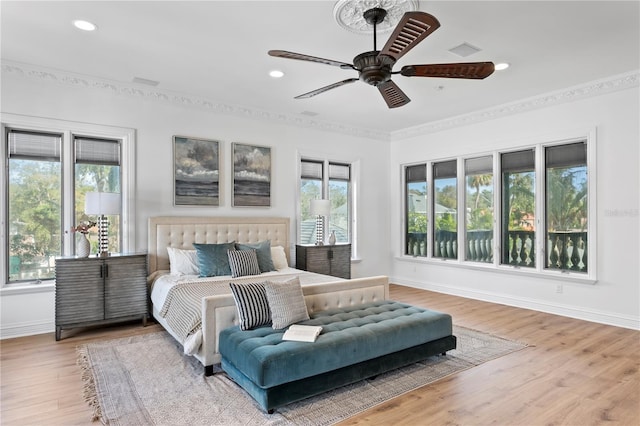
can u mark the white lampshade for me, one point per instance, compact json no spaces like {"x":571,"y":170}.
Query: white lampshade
{"x":102,"y":203}
{"x":320,"y":207}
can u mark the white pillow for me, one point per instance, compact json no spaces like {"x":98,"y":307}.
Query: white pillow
{"x":279,"y":258}
{"x":183,"y":262}
{"x":286,"y":302}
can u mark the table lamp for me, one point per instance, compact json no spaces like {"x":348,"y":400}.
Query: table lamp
{"x":320,"y":208}
{"x":102,"y":204}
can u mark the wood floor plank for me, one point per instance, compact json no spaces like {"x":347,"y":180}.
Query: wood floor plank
{"x":572,"y":373}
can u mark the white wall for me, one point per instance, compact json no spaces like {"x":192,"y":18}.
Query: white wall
{"x":156,"y":121}
{"x":615,"y":298}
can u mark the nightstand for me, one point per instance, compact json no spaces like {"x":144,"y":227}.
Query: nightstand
{"x":100,"y":290}
{"x":328,"y":260}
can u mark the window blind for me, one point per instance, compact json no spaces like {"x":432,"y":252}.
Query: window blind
{"x":574,"y":154}
{"x":311,"y":169}
{"x":417,"y":173}
{"x":97,"y":151}
{"x":520,"y":161}
{"x":339,"y":171}
{"x":445,"y":169}
{"x":479,"y":165}
{"x":30,"y":145}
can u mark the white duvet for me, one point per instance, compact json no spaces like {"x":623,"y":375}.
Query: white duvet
{"x":163,"y":282}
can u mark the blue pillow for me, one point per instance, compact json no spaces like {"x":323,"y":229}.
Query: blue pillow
{"x":213,"y":259}
{"x":263,"y":251}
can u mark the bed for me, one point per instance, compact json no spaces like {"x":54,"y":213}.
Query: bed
{"x":206,"y":305}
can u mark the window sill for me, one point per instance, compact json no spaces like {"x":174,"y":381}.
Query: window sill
{"x":29,"y":288}
{"x":502,"y":269}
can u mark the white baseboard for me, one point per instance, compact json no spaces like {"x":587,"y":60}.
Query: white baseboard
{"x":26,"y":329}
{"x":608,"y":318}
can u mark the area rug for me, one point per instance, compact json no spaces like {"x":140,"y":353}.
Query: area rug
{"x":145,"y":380}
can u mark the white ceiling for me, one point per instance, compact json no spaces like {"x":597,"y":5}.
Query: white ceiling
{"x":217,"y":50}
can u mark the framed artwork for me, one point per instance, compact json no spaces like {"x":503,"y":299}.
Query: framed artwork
{"x":196,"y":172}
{"x":251,"y":175}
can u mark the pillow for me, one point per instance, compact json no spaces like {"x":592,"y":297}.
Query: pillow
{"x":183,"y":262}
{"x":243,"y":262}
{"x":251,"y":304}
{"x":286,"y":303}
{"x":279,"y":258}
{"x":213,"y":259}
{"x":263,"y":251}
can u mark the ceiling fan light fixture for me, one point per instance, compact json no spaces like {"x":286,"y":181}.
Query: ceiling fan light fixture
{"x":83,"y":25}
{"x":502,"y":66}
{"x":276,"y":74}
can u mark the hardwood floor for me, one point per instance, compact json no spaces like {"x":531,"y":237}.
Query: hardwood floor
{"x":573,"y":373}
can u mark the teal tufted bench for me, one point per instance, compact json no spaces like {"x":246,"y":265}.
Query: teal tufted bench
{"x":357,"y":342}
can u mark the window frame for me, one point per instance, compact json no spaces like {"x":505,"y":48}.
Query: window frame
{"x":540,"y":271}
{"x":69,"y":129}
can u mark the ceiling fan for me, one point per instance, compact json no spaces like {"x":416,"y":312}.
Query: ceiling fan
{"x":375,"y":67}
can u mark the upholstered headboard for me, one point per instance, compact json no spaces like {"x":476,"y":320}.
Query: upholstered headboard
{"x":182,"y":231}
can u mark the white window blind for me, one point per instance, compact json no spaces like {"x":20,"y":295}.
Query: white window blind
{"x":44,"y":146}
{"x":97,"y":151}
{"x":310,"y":169}
{"x":339,"y":171}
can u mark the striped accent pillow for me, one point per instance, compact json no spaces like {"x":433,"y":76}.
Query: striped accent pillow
{"x":286,"y":302}
{"x":251,"y":304}
{"x":243,"y":262}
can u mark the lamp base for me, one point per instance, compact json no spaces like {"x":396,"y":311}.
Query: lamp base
{"x":103,"y":254}
{"x":319,"y":231}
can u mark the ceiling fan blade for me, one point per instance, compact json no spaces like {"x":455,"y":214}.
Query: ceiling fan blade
{"x":301,"y":57}
{"x":325,"y":88}
{"x":474,"y":70}
{"x":393,"y":96}
{"x":411,"y":30}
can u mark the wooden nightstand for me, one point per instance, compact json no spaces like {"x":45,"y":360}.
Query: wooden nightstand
{"x":100,"y":290}
{"x":329,"y":260}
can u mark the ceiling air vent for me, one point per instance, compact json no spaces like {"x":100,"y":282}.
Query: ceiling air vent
{"x":464,"y":50}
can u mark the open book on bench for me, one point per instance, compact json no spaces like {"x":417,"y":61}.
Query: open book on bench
{"x":302,"y":333}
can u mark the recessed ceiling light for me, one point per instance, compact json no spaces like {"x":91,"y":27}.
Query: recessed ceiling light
{"x":84,"y":25}
{"x":276,"y":74}
{"x":501,"y":66}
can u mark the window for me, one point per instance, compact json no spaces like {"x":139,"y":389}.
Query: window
{"x":339,"y":196}
{"x":479,"y":209}
{"x":97,"y":169}
{"x":445,"y":210}
{"x":35,"y":214}
{"x":330,"y":180}
{"x":543,"y":219}
{"x":416,"y":210}
{"x":49,"y":167}
{"x":518,"y":208}
{"x":566,"y":207}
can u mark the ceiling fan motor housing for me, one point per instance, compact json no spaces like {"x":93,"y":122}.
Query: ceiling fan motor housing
{"x":374,"y":69}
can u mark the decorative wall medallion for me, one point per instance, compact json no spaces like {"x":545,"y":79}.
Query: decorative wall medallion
{"x":348,"y":14}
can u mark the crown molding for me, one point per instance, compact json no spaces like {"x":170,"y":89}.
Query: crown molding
{"x":187,"y":101}
{"x":594,"y":88}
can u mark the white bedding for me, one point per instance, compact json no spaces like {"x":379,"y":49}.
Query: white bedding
{"x":164,"y":282}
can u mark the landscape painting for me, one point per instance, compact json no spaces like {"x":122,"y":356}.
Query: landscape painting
{"x":196,"y":172}
{"x":251,"y":176}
